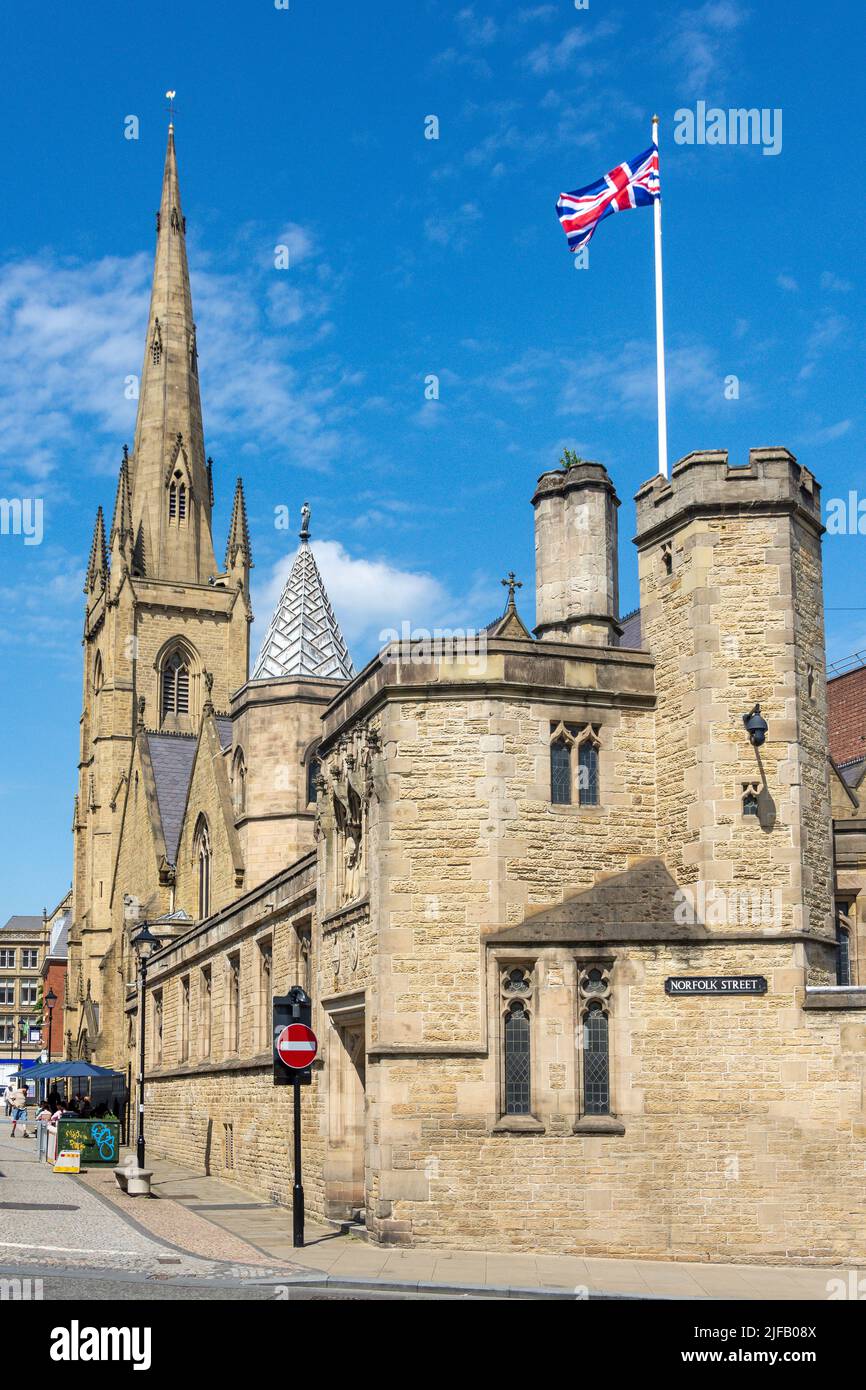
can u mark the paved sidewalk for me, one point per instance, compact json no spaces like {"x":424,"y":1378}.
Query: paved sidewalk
{"x":340,"y":1257}
{"x":60,"y":1220}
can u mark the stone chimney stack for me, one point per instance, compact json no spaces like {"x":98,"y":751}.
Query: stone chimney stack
{"x":576,"y":556}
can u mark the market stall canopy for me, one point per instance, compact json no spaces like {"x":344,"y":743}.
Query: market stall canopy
{"x":57,"y":1070}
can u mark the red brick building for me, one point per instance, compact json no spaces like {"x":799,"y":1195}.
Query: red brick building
{"x":846,"y":712}
{"x":54,"y":979}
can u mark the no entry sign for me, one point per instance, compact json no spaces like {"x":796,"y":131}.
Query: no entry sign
{"x":297,"y":1045}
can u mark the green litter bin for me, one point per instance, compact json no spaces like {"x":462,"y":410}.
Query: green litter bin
{"x":98,"y":1141}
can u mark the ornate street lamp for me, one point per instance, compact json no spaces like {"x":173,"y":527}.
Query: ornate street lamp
{"x":144,"y":943}
{"x":49,"y":1001}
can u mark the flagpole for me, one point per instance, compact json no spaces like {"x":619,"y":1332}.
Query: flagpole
{"x":660,"y":324}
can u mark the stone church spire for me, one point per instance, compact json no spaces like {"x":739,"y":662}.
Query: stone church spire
{"x":171,"y":502}
{"x":97,"y":567}
{"x":303,"y":636}
{"x":239,"y":535}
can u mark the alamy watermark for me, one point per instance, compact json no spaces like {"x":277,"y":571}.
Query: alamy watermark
{"x":740,"y":125}
{"x":22,"y":516}
{"x":418,"y":646}
{"x":712,"y":906}
{"x":846,"y":516}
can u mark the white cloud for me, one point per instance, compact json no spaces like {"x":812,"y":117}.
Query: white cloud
{"x":72,"y":333}
{"x":699,"y":41}
{"x":830,"y":281}
{"x":452,"y":229}
{"x":787,"y":282}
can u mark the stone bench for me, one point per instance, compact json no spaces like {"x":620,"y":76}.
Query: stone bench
{"x":134,"y":1181}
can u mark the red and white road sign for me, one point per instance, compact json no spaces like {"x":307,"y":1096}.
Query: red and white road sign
{"x":297,"y":1045}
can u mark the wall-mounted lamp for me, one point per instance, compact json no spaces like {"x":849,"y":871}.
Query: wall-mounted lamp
{"x":756,"y":726}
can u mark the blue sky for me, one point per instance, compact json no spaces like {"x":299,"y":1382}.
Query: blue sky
{"x":409,"y":257}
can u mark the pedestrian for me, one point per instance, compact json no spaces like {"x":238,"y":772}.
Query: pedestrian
{"x":18,"y":1101}
{"x":7,"y":1091}
{"x":53,"y":1098}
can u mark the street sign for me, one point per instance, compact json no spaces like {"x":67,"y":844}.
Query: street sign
{"x":715,"y":986}
{"x":288,"y":1010}
{"x":297,"y":1045}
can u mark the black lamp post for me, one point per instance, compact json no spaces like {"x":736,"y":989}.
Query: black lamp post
{"x":49,"y":1001}
{"x":145,"y":944}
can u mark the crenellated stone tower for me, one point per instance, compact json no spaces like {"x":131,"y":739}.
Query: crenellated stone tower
{"x":160,"y":620}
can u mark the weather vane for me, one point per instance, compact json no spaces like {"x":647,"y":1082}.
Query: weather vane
{"x":170,"y":96}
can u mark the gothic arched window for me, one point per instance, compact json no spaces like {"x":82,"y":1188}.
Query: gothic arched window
{"x":239,"y":783}
{"x":177,"y":497}
{"x":596,"y":1061}
{"x":516,"y":986}
{"x":587,"y":766}
{"x":560,"y":773}
{"x":97,"y":674}
{"x":312,"y":774}
{"x":202,"y":858}
{"x":175,"y":684}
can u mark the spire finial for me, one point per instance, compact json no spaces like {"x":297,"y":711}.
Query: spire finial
{"x":170,"y":96}
{"x":305,"y":522}
{"x":511,"y":583}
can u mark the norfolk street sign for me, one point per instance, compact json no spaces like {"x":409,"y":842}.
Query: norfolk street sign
{"x":715,"y":985}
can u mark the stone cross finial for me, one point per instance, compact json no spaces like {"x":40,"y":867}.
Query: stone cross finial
{"x":511,"y":583}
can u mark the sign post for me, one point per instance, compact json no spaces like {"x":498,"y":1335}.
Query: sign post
{"x":295,"y":1046}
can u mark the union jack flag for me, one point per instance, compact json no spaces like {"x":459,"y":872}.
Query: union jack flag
{"x":631,"y":185}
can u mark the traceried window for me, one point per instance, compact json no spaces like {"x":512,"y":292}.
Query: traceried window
{"x":175,"y":685}
{"x":202,"y":860}
{"x":516,"y":993}
{"x":750,"y":798}
{"x":596,"y":1061}
{"x":587,"y":772}
{"x":594,"y":995}
{"x":560,"y":773}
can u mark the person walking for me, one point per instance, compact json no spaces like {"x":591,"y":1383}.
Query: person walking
{"x":7,"y":1091}
{"x":18,"y":1101}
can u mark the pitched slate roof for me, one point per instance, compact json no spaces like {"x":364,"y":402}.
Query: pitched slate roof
{"x":60,"y":937}
{"x":224,"y":729}
{"x":23,"y":924}
{"x":304,"y":637}
{"x":172,"y":757}
{"x":851,"y":770}
{"x":631,"y":633}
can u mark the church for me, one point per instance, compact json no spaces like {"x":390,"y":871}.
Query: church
{"x":564,"y":895}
